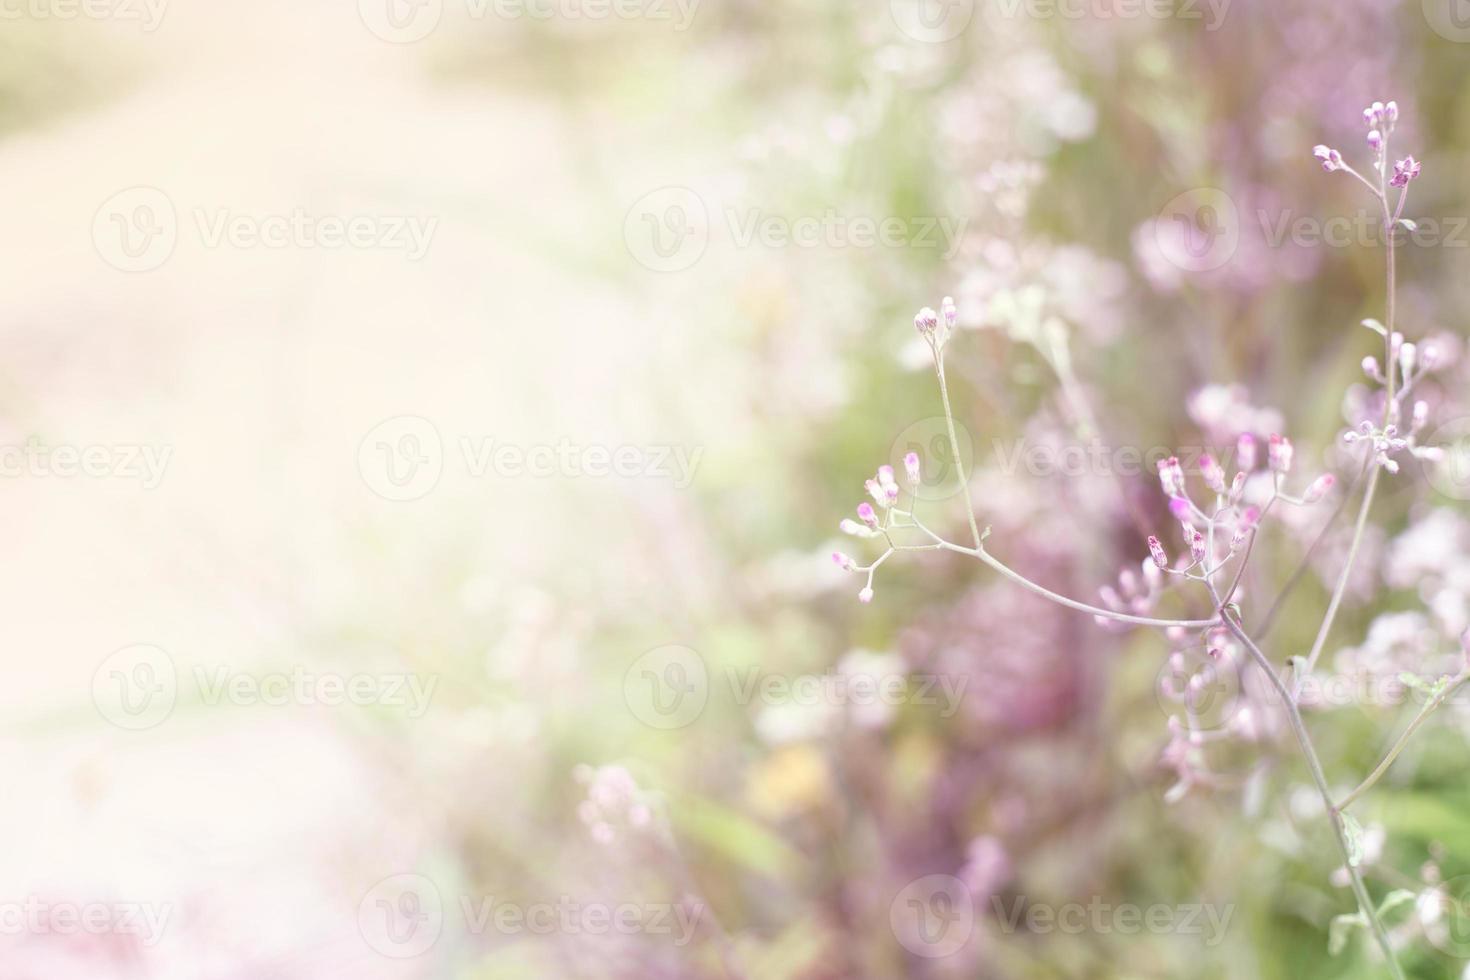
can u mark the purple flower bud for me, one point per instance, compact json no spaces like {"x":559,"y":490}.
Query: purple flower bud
{"x":1375,"y":139}
{"x":1171,"y":475}
{"x":925,"y":322}
{"x":911,"y":467}
{"x":1213,"y":473}
{"x":1319,"y":488}
{"x":1161,"y":558}
{"x":1196,"y":547}
{"x":1245,"y":452}
{"x":1237,"y":485}
{"x":866,"y":595}
{"x":844,"y":562}
{"x":1391,"y":113}
{"x":1179,"y":507}
{"x":888,"y":484}
{"x":876,"y":491}
{"x":1371,"y":368}
{"x":868,"y":515}
{"x":1280,"y":454}
{"x":951,"y":314}
{"x":1331,"y":159}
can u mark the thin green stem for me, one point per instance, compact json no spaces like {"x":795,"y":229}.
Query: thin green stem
{"x":1398,"y":746}
{"x":1391,"y":371}
{"x":1314,"y":765}
{"x":1062,"y":600}
{"x":954,"y":447}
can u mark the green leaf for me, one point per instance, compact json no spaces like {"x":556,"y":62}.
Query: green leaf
{"x":1395,"y":898}
{"x":735,"y":836}
{"x":1342,"y":928}
{"x":1354,"y":833}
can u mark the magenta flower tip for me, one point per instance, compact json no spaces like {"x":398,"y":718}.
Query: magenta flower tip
{"x":1404,"y":171}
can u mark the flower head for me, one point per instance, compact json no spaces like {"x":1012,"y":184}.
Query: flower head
{"x":1196,"y":546}
{"x":1404,"y":171}
{"x":1280,"y":454}
{"x":1245,"y":452}
{"x":844,"y":562}
{"x":925,"y":321}
{"x":869,"y":516}
{"x":951,"y":314}
{"x":1161,"y":557}
{"x":911,"y":467}
{"x":1171,"y":475}
{"x":1319,"y":488}
{"x":1213,"y":473}
{"x":1331,"y":159}
{"x":888,"y":484}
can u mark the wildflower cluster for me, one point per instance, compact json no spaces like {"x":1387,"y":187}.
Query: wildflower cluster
{"x":1218,"y":524}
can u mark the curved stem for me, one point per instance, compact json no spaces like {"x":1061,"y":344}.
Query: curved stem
{"x":1347,"y":568}
{"x":1398,"y":747}
{"x":1314,"y":765}
{"x":1390,"y":369}
{"x":1062,"y":600}
{"x":954,"y":447}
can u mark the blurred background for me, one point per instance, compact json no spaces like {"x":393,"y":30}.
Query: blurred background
{"x":424,"y":427}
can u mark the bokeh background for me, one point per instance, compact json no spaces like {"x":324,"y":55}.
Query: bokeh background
{"x":648,"y":233}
